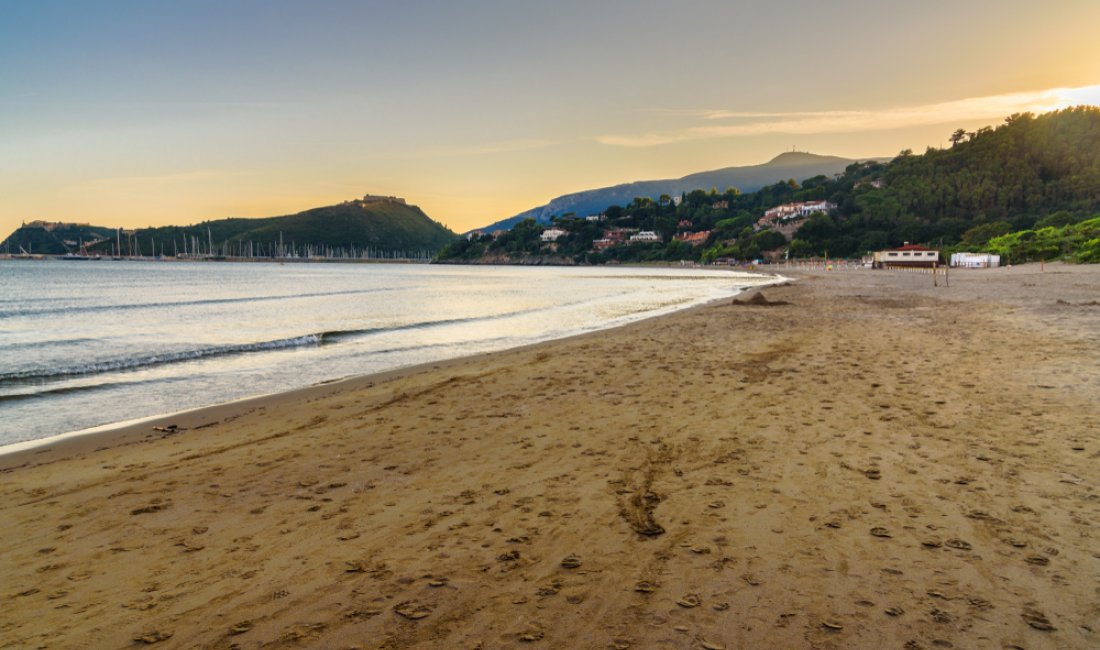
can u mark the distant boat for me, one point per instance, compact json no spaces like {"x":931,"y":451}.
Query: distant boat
{"x":81,"y":255}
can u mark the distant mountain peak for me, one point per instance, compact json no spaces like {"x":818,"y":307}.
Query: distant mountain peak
{"x":747,"y":179}
{"x":798,"y":157}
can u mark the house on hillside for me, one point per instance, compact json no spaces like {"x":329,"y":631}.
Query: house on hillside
{"x":551,"y":234}
{"x":909,"y":255}
{"x":612,"y":237}
{"x":789,"y":212}
{"x":693,"y":238}
{"x":645,"y":236}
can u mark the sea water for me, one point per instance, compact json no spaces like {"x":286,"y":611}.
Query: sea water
{"x":87,"y":343}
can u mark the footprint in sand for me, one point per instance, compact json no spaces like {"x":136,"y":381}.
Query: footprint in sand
{"x":958,"y":544}
{"x":549,"y":590}
{"x":638,"y":509}
{"x":154,"y":507}
{"x":241,"y":628}
{"x":689,"y":601}
{"x":1037,"y":620}
{"x":412,"y":610}
{"x":154,"y":636}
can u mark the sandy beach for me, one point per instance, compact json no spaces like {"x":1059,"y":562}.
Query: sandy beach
{"x":859,"y":460}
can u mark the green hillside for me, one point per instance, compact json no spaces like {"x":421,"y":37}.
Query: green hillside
{"x":53,"y":238}
{"x":1029,"y":188}
{"x":374,"y":226}
{"x":990,"y":182}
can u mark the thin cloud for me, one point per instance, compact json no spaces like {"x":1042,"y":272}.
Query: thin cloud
{"x":487,"y":148}
{"x":992,"y":107}
{"x":148,"y":181}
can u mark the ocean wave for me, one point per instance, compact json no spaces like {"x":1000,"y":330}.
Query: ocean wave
{"x":35,"y":375}
{"x":134,"y":363}
{"x":36,"y":345}
{"x":54,"y":373}
{"x":77,"y":388}
{"x":45,"y":311}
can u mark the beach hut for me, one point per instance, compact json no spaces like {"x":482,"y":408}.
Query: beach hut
{"x":909,"y":255}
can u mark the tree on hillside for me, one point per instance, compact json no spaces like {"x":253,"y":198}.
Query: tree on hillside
{"x":958,"y":136}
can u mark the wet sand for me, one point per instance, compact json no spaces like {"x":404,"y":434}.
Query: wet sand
{"x":875,"y":463}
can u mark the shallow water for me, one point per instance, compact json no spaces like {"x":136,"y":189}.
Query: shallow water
{"x":89,"y":343}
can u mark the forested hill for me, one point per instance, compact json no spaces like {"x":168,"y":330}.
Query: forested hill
{"x":1029,"y":170}
{"x":792,"y":164}
{"x":1028,"y":189}
{"x":380,"y":225}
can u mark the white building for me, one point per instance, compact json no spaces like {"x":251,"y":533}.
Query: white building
{"x":907,"y":255}
{"x":552,"y":234}
{"x":975,"y":260}
{"x":646,"y":236}
{"x":792,"y":211}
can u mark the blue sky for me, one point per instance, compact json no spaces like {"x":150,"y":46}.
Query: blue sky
{"x":142,"y":113}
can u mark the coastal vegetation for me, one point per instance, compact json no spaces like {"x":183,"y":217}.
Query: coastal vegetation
{"x":1079,"y":242}
{"x":1025,"y":189}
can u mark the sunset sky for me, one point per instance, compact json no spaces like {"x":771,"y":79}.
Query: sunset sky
{"x":151,"y":112}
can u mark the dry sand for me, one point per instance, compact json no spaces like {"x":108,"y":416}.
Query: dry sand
{"x":877,"y":464}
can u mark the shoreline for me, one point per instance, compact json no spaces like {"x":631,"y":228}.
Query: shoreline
{"x":128,"y":431}
{"x":852,"y":460}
